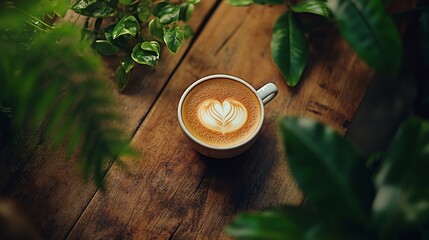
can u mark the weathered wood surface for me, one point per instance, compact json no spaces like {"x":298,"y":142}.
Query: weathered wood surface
{"x":174,"y":193}
{"x":51,"y":190}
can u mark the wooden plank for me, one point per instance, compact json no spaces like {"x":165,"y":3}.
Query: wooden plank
{"x":175,"y":193}
{"x":51,"y":190}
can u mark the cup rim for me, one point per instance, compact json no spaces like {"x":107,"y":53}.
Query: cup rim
{"x":209,"y":77}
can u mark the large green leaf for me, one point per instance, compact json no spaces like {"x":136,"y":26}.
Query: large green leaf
{"x":95,"y":8}
{"x":424,"y":36}
{"x":402,"y":200}
{"x":144,"y":57}
{"x":169,"y":14}
{"x":126,"y":26}
{"x":173,"y":38}
{"x":328,"y":169}
{"x":156,"y":29}
{"x":290,"y":223}
{"x":289,"y":48}
{"x":370,"y":31}
{"x":318,"y":7}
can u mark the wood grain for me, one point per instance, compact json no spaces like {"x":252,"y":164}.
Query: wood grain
{"x":175,"y":193}
{"x":50,"y":189}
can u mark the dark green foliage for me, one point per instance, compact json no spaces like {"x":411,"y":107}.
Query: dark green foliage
{"x":167,"y":26}
{"x":50,"y":80}
{"x":342,"y":202}
{"x":364,"y":24}
{"x":289,"y":48}
{"x":370,"y":32}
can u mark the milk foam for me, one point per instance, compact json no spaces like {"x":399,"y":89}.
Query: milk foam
{"x":225,"y":117}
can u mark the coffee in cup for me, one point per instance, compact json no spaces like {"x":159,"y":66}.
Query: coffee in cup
{"x":223,"y":114}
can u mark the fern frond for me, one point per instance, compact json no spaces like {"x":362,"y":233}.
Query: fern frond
{"x":55,"y":83}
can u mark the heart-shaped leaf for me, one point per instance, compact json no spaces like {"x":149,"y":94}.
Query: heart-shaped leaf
{"x":173,"y":38}
{"x":318,"y":7}
{"x":126,"y":26}
{"x":151,"y":46}
{"x":156,"y":29}
{"x":370,"y":31}
{"x":95,"y":8}
{"x":105,"y":48}
{"x":186,"y":10}
{"x":327,"y":167}
{"x":127,"y":64}
{"x":169,"y":14}
{"x":289,"y":48}
{"x":144,"y":57}
{"x":402,"y":200}
{"x":121,"y":78}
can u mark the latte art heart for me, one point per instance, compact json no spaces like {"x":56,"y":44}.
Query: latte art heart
{"x":225,"y":117}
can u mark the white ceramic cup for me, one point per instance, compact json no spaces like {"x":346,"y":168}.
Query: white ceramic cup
{"x":265,"y":94}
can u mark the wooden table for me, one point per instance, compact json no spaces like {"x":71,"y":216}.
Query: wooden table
{"x":172,"y":192}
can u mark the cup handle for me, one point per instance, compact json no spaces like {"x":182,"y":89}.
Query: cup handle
{"x":267,"y":92}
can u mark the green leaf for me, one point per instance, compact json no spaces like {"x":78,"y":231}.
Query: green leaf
{"x":120,"y":42}
{"x":289,"y":48}
{"x":152,"y":46}
{"x":156,"y":29}
{"x":270,"y":224}
{"x":186,"y":11}
{"x":105,"y":48}
{"x":60,"y":7}
{"x":127,"y":64}
{"x":327,"y":167}
{"x":273,"y":2}
{"x":126,"y":26}
{"x":402,"y":200}
{"x":173,"y":38}
{"x":318,"y":7}
{"x":370,"y":31}
{"x":239,"y":3}
{"x":121,"y":78}
{"x":143,"y":11}
{"x":424,"y":36}
{"x":169,"y":14}
{"x":157,"y":9}
{"x":144,"y":57}
{"x":95,"y":8}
